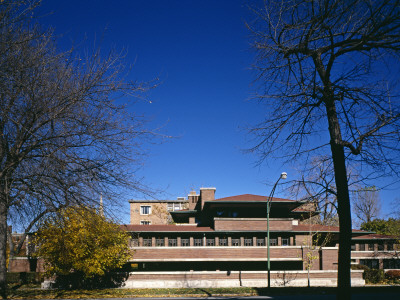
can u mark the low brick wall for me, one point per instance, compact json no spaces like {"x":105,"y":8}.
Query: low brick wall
{"x":205,"y":279}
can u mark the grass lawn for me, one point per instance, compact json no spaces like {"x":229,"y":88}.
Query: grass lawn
{"x":34,"y":292}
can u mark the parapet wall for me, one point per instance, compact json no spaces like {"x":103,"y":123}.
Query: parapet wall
{"x":206,"y":279}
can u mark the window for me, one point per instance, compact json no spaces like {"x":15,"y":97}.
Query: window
{"x":371,"y":247}
{"x":210,"y":242}
{"x":147,"y":243}
{"x":235,"y":242}
{"x":172,"y":243}
{"x":285,"y":242}
{"x":160,"y":242}
{"x":185,"y":242}
{"x":177,"y":206}
{"x":134,"y":242}
{"x":145,"y":210}
{"x":353,"y":247}
{"x":273,"y":242}
{"x":370,"y":263}
{"x":391,"y":263}
{"x":248,"y":242}
{"x":381,"y":247}
{"x":260,"y":242}
{"x":170,"y":206}
{"x":361,"y":247}
{"x":390,"y":246}
{"x":145,"y":222}
{"x":223,"y":242}
{"x":198,"y":242}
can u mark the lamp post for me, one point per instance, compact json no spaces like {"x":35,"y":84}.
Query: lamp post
{"x":283,"y":176}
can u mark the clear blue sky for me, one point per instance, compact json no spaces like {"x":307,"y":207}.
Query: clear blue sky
{"x":201,"y":52}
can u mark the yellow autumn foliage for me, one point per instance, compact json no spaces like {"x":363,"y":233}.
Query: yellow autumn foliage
{"x":81,"y":240}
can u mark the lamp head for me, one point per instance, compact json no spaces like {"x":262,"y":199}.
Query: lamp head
{"x":283,"y":175}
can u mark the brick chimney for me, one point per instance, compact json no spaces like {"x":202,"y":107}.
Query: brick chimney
{"x":193,"y":198}
{"x":207,"y":194}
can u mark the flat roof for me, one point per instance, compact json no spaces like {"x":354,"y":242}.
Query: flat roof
{"x":156,"y":201}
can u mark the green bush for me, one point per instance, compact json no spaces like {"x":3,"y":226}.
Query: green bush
{"x":359,"y":267}
{"x":374,"y":276}
{"x":24,"y":277}
{"x":393,"y":275}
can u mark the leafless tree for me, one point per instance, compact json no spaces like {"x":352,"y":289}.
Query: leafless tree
{"x":329,"y":72}
{"x":366,"y":204}
{"x":67,"y":133}
{"x":317,"y":186}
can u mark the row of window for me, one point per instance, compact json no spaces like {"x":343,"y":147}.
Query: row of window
{"x":185,"y":242}
{"x":371,"y":247}
{"x":146,"y":209}
{"x":387,"y":263}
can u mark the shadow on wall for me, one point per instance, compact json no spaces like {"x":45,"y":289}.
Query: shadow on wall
{"x":77,"y":280}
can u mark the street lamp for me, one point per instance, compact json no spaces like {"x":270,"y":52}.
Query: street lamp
{"x":283,"y":176}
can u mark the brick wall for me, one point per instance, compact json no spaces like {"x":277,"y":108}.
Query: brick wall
{"x":158,"y":216}
{"x":214,"y":253}
{"x":251,"y":224}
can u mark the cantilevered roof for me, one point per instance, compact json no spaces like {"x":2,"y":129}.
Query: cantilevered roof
{"x":250,"y":198}
{"x":323,"y":228}
{"x":375,"y":236}
{"x":255,"y":201}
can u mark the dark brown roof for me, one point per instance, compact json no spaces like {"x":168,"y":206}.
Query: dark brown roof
{"x":317,"y":227}
{"x":252,"y":198}
{"x":375,"y":236}
{"x":165,"y":228}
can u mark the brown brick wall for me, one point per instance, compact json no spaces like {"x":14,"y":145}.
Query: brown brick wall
{"x":244,"y":224}
{"x":223,"y":253}
{"x":159,"y":214}
{"x":329,"y":258}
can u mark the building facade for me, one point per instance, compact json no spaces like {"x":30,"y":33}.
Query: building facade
{"x":229,"y":236}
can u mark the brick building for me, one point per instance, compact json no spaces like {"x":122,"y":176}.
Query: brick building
{"x":226,"y":239}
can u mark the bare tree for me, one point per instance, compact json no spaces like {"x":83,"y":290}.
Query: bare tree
{"x":366,"y":204}
{"x":328,"y":70}
{"x":317,"y":186}
{"x":66,"y":135}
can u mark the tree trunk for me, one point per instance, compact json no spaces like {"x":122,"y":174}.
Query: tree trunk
{"x":3,"y":246}
{"x":344,"y":211}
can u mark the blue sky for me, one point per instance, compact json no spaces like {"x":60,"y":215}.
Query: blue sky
{"x":200,"y":51}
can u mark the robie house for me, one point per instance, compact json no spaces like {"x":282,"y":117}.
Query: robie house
{"x":206,"y":242}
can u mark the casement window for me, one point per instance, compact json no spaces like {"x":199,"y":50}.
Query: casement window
{"x":285,"y":242}
{"x":260,"y":242}
{"x":353,"y":247}
{"x":235,"y":242}
{"x":248,"y":242}
{"x":177,"y":206}
{"x":198,"y":242}
{"x":389,"y":246}
{"x":361,"y":247}
{"x":273,"y":242}
{"x":160,"y":242}
{"x":185,"y":242}
{"x":381,"y":247}
{"x":145,"y":210}
{"x":170,"y":206}
{"x":143,"y":222}
{"x":223,"y":242}
{"x":210,"y":242}
{"x":172,"y":242}
{"x":370,"y":263}
{"x":147,"y":243}
{"x":134,"y":242}
{"x":371,"y":247}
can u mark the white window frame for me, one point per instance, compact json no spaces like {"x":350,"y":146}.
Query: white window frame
{"x":141,"y":210}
